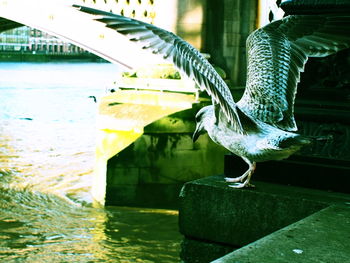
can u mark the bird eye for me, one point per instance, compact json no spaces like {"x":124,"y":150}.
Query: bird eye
{"x":199,"y":115}
{"x":197,"y":118}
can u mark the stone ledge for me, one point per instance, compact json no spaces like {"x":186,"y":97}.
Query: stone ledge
{"x":213,"y":212}
{"x":304,"y":171}
{"x":321,"y":237}
{"x":296,"y":7}
{"x":199,"y":251}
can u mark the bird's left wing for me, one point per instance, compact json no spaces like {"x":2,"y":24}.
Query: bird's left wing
{"x":174,"y":49}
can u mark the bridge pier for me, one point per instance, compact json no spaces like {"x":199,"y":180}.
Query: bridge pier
{"x":145,"y":151}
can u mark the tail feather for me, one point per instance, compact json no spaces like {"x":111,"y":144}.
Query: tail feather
{"x":298,"y":140}
{"x":303,"y":140}
{"x":321,"y":138}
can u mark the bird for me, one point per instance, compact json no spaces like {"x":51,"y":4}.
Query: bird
{"x":93,"y":97}
{"x":261,"y":125}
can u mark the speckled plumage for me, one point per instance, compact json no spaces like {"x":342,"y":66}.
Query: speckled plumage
{"x":259,"y":127}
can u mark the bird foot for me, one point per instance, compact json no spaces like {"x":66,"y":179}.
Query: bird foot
{"x":242,"y":185}
{"x":243,"y":180}
{"x":237,"y":179}
{"x":234,"y":179}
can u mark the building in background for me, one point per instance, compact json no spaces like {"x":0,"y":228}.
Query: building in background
{"x":196,"y":21}
{"x":15,"y":40}
{"x":25,"y":42}
{"x":28,"y":41}
{"x":44,"y":43}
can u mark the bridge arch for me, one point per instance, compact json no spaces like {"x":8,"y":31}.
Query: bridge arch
{"x":64,"y":21}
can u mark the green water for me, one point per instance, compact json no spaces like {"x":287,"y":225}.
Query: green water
{"x":38,"y":227}
{"x":47,"y":140}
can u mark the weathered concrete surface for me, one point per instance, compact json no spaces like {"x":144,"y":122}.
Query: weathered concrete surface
{"x":321,"y":237}
{"x":225,"y":37}
{"x":122,"y":118}
{"x":294,"y":7}
{"x":204,"y":251}
{"x":152,"y":170}
{"x":213,"y":212}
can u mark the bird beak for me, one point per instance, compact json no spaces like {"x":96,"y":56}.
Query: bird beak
{"x":198,"y":132}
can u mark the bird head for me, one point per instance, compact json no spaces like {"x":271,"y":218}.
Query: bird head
{"x":203,"y":117}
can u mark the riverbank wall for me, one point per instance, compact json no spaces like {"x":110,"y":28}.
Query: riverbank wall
{"x":43,"y":57}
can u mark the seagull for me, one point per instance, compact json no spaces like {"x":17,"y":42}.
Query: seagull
{"x":261,"y":125}
{"x":93,"y":97}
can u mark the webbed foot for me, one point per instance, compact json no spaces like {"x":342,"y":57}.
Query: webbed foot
{"x":242,"y":185}
{"x":243,"y":180}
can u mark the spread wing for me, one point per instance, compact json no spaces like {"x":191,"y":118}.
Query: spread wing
{"x":174,"y":49}
{"x":277,"y":53}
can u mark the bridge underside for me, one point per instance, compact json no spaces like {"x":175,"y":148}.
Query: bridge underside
{"x":6,"y":24}
{"x":64,"y":21}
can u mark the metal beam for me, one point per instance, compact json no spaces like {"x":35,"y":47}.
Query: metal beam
{"x":59,"y":18}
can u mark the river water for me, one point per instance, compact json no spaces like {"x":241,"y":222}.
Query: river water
{"x":47,"y":140}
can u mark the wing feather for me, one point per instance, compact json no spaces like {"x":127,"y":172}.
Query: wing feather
{"x":185,"y":57}
{"x":277,"y":53}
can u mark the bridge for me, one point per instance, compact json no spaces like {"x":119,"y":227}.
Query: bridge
{"x":123,"y":114}
{"x":60,"y":19}
{"x":186,"y":18}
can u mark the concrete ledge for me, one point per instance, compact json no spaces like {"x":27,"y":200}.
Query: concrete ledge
{"x":199,"y":251}
{"x":321,"y":237}
{"x":213,"y":212}
{"x":293,"y":7}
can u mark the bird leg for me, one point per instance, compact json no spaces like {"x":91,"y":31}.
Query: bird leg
{"x":243,"y":180}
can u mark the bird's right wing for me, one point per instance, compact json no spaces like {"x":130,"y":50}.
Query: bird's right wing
{"x":174,"y":49}
{"x":277,"y":53}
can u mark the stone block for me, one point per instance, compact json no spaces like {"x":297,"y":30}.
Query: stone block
{"x":171,"y":125}
{"x":293,"y":7}
{"x":185,"y":142}
{"x":186,"y":158}
{"x":122,"y":195}
{"x":191,"y":11}
{"x":199,"y":251}
{"x":230,"y":54}
{"x":232,"y":27}
{"x":179,"y":122}
{"x":212,"y":211}
{"x":160,"y":163}
{"x":232,"y":9}
{"x":126,"y":175}
{"x":321,"y":237}
{"x":232,"y":39}
{"x":151,"y":175}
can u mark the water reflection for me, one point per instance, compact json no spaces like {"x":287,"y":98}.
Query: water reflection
{"x":50,"y":158}
{"x":37,"y":228}
{"x":40,"y":227}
